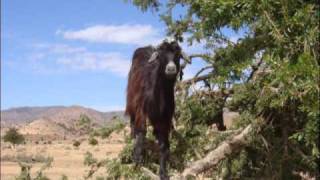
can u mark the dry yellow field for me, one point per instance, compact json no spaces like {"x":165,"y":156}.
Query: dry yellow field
{"x":67,"y":160}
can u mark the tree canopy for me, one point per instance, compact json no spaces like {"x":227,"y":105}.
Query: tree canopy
{"x":13,"y":136}
{"x":270,"y":76}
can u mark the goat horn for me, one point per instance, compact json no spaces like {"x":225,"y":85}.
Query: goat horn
{"x":153,"y":56}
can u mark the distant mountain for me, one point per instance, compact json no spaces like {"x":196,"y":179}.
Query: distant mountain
{"x":45,"y":127}
{"x":58,"y":114}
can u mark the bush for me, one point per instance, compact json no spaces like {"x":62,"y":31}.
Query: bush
{"x":13,"y":136}
{"x":64,"y":177}
{"x":76,"y":143}
{"x":106,"y":131}
{"x":93,"y":141}
{"x":84,"y":124}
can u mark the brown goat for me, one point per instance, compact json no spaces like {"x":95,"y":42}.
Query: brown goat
{"x":150,"y":95}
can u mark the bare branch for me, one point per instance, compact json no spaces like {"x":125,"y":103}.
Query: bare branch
{"x":254,"y":69}
{"x":220,"y":92}
{"x":185,"y":57}
{"x":149,"y":173}
{"x":202,"y":69}
{"x":214,"y":157}
{"x":94,"y":168}
{"x":203,"y":56}
{"x":196,"y":79}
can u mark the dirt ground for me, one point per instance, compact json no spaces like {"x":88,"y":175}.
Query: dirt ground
{"x":67,"y":159}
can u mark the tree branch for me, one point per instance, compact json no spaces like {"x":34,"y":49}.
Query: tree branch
{"x":255,"y":68}
{"x":202,"y":69}
{"x":149,"y":173}
{"x":203,"y":56}
{"x":214,"y":157}
{"x":185,"y":57}
{"x":196,"y":79}
{"x":279,"y":35}
{"x":226,"y":148}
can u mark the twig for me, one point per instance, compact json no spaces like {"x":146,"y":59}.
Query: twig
{"x":227,"y":131}
{"x":196,"y":79}
{"x":202,"y":69}
{"x":185,"y":57}
{"x":221,"y":92}
{"x":279,"y":36}
{"x":203,"y":56}
{"x":254,"y":69}
{"x":94,"y":168}
{"x":149,"y":173}
{"x":265,"y":142}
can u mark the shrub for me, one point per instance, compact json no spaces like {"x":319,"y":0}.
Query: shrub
{"x":93,"y":141}
{"x":106,"y":131}
{"x":64,"y":177}
{"x":13,"y":136}
{"x":100,"y":178}
{"x":76,"y":143}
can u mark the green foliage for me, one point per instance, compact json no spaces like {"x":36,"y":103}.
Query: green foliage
{"x":84,"y":123}
{"x":146,"y":4}
{"x":76,"y":143}
{"x":125,"y":155}
{"x":89,"y":159}
{"x":200,"y":108}
{"x":117,"y":170}
{"x":105,"y":132}
{"x":64,"y":177}
{"x":93,"y":141}
{"x":13,"y":136}
{"x":100,"y":178}
{"x":84,"y":120}
{"x":279,"y":95}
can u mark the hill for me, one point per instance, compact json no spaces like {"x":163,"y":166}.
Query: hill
{"x":54,"y":122}
{"x":59,"y":114}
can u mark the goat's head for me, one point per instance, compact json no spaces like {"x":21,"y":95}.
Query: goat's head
{"x":168,"y":55}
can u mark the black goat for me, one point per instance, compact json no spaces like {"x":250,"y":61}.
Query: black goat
{"x":150,"y":95}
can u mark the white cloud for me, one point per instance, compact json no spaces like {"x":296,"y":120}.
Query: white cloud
{"x":124,"y":34}
{"x":112,"y":62}
{"x":64,"y":58}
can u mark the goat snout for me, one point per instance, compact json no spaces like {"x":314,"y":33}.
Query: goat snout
{"x":171,"y":68}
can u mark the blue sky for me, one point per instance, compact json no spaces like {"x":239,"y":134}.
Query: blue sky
{"x":57,"y":52}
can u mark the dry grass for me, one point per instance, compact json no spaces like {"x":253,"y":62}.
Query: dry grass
{"x":68,"y":160}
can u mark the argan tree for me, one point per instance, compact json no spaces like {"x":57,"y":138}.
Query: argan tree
{"x":270,"y":75}
{"x":84,"y":124}
{"x":13,"y":136}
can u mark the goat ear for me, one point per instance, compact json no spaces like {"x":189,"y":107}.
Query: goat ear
{"x":153,"y":57}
